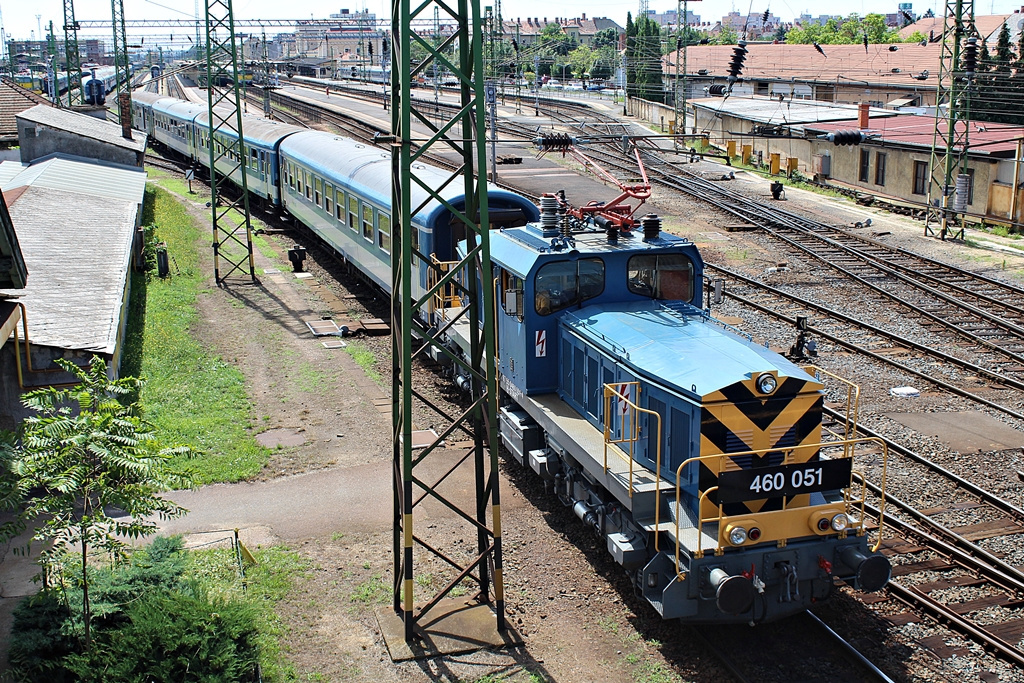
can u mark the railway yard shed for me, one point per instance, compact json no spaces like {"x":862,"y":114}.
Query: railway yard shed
{"x":892,"y":161}
{"x":44,"y":130}
{"x":75,"y":303}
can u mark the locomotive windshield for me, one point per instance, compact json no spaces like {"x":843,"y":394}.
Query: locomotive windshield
{"x":561,"y":284}
{"x":661,"y":276}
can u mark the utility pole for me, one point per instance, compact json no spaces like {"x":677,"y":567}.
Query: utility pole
{"x":225,"y":142}
{"x":72,"y":57}
{"x":957,"y":70}
{"x":536,"y":85}
{"x":51,"y":67}
{"x":470,"y":279}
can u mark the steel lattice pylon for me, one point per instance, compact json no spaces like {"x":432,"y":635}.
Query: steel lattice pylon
{"x":232,"y":227}
{"x":952,"y":107}
{"x":72,"y":58}
{"x":465,"y":133}
{"x":123,"y":75}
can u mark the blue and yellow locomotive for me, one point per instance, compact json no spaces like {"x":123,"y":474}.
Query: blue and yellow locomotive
{"x":696,"y":453}
{"x":699,"y":456}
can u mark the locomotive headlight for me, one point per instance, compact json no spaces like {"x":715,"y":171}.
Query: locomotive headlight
{"x":840,"y":522}
{"x":767,"y":383}
{"x":737,"y":535}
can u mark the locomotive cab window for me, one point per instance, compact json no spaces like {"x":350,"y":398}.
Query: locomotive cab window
{"x":661,"y":276}
{"x":512,"y":287}
{"x":561,"y":284}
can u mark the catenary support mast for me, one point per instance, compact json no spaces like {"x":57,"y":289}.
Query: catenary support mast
{"x":461,"y":53}
{"x":232,"y":227}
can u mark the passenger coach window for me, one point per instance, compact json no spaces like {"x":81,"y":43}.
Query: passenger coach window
{"x":318,"y":191}
{"x":562,"y":284}
{"x":339,"y":206}
{"x":328,"y":198}
{"x":384,"y":232}
{"x":305,"y":182}
{"x":661,"y":276}
{"x":368,"y":222}
{"x":353,"y":213}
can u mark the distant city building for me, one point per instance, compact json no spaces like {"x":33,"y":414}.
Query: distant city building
{"x":582,"y":29}
{"x":670,"y":18}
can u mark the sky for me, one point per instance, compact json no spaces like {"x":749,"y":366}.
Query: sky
{"x":19,"y":17}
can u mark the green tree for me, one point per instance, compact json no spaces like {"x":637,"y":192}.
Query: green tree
{"x":1004,"y":56}
{"x":87,"y":452}
{"x":726,"y":36}
{"x":606,"y":37}
{"x":583,"y":60}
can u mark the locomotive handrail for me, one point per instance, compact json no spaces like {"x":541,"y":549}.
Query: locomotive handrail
{"x":852,"y":398}
{"x":634,"y":430}
{"x":849,"y":503}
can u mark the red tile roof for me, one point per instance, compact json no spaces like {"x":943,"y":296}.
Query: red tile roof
{"x":988,"y":26}
{"x":14,"y":99}
{"x":840,"y":62}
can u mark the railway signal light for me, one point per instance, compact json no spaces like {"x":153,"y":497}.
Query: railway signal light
{"x":739,"y":55}
{"x":846,"y":137}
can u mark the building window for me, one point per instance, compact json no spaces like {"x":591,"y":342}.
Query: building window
{"x":920,"y":177}
{"x":865,"y":163}
{"x":879,"y":168}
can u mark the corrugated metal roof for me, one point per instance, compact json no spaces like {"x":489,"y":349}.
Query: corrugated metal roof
{"x":84,"y":125}
{"x":79,"y":267}
{"x":761,"y":109}
{"x":75,"y":174}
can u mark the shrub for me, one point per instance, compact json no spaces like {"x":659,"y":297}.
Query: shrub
{"x":151,"y":623}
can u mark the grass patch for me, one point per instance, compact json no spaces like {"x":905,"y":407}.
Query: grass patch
{"x":365,"y":359}
{"x":191,"y":395}
{"x":266,"y":583}
{"x":374,"y":591}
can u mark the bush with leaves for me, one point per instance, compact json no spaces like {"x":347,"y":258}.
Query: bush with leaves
{"x":87,"y":453}
{"x":152,"y":623}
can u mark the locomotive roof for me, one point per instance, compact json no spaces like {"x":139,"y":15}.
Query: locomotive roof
{"x":677,"y":346}
{"x":369,"y":168}
{"x":518,"y":249}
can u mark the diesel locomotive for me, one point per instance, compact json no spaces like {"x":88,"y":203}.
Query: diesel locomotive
{"x":700,"y":457}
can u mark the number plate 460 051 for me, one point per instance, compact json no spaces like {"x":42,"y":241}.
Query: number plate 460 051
{"x":784,"y":480}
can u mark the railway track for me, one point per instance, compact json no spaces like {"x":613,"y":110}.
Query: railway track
{"x":1001,"y":587}
{"x":825,"y":655}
